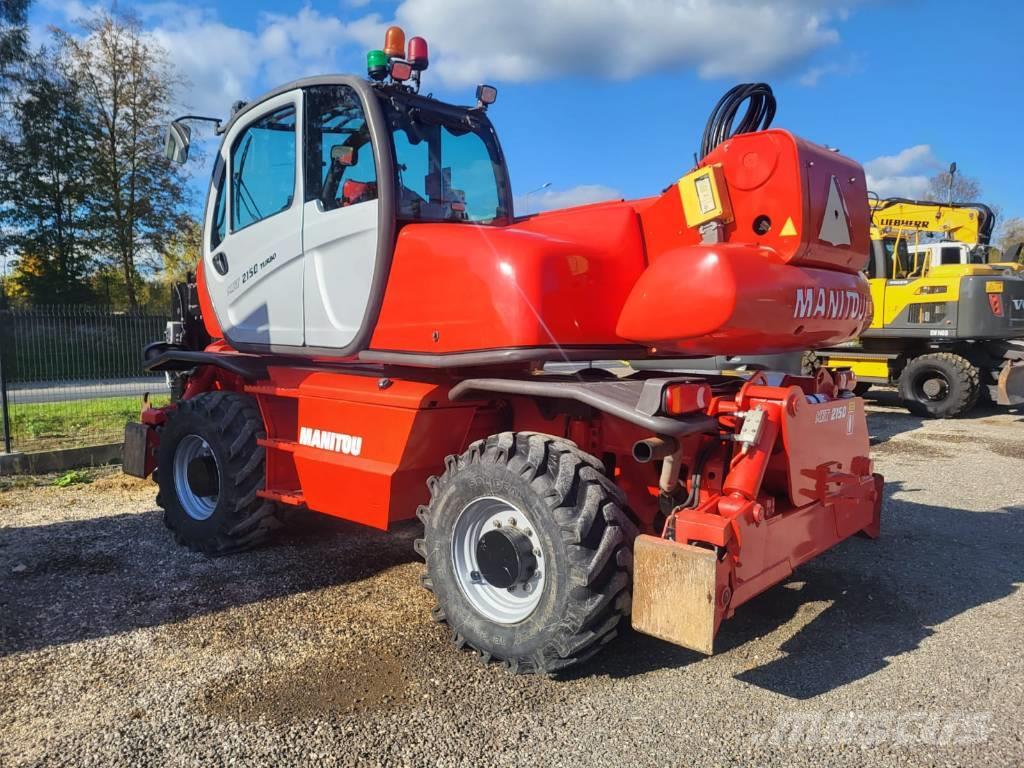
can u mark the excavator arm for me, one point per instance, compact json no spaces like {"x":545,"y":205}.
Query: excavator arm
{"x":964,"y":222}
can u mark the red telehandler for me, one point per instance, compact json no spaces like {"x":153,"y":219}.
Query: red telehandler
{"x":366,"y":334}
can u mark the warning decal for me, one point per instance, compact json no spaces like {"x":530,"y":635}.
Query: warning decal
{"x":835,"y":227}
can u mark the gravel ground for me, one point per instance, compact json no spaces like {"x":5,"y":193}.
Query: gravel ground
{"x":118,"y":648}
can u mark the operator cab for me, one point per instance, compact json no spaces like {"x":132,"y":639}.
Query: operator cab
{"x":312,"y":183}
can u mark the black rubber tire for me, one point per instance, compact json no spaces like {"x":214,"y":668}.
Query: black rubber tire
{"x":231,"y":424}
{"x":963,"y":383}
{"x":583,"y":526}
{"x":861,"y":388}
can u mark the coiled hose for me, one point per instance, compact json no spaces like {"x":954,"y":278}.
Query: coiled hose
{"x":759,"y":115}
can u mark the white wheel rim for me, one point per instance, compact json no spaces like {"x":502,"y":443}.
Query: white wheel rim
{"x":192,"y":447}
{"x":500,"y":605}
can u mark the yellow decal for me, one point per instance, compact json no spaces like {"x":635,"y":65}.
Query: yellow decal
{"x":788,"y":229}
{"x":993,"y":286}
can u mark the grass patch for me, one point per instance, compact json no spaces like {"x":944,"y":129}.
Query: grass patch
{"x":73,"y":477}
{"x":51,"y":426}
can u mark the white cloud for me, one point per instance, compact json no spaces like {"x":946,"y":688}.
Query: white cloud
{"x":812,"y":75}
{"x":223,"y":63}
{"x":479,"y":40}
{"x":904,"y":174}
{"x":551,"y":199}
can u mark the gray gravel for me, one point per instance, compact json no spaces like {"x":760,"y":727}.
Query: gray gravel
{"x":118,"y":648}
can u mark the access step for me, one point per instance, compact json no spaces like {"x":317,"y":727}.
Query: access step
{"x":291,"y":498}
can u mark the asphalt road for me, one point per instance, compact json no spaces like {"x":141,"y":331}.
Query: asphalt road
{"x":47,"y":392}
{"x":118,"y":648}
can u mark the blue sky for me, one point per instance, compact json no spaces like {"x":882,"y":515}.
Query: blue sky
{"x":609,"y":97}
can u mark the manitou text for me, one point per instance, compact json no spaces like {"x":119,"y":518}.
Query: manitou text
{"x":829,"y":303}
{"x":331,"y":441}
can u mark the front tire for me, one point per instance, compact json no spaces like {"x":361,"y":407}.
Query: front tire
{"x":940,"y":385}
{"x":210,"y":468}
{"x":529,"y":551}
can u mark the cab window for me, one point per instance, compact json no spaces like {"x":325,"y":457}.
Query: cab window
{"x":898,"y":263}
{"x":340,"y":166}
{"x":263,"y":169}
{"x":448,"y":170}
{"x":949,"y":255}
{"x":219,"y":228}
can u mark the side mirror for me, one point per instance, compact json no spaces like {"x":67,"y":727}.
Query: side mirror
{"x":344,"y":155}
{"x":179,"y":136}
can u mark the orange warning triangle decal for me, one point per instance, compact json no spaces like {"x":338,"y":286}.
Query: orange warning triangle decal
{"x":788,"y":230}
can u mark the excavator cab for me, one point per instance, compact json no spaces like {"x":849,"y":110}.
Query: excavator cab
{"x":309,"y":187}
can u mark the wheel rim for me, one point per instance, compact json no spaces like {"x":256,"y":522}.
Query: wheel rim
{"x":197,"y":505}
{"x":481,"y":520}
{"x":933,"y":387}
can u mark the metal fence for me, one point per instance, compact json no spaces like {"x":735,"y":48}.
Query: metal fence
{"x":72,"y":376}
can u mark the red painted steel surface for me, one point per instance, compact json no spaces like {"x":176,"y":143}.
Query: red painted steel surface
{"x":560,"y":278}
{"x":624,"y":273}
{"x":350,"y":446}
{"x":734,"y":298}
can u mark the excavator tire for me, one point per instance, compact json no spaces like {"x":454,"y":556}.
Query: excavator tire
{"x":941,"y":385}
{"x":507,"y":494}
{"x":209,"y":470}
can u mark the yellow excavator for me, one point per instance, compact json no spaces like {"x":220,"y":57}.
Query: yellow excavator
{"x":948,"y":324}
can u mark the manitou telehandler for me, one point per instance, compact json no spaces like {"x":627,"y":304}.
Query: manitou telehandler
{"x":365,"y":336}
{"x":948,"y":325}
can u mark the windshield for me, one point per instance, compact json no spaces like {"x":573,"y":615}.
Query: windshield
{"x":899,"y":262}
{"x":449,"y":167}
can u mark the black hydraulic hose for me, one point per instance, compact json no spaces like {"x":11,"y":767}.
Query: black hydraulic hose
{"x":758,"y":116}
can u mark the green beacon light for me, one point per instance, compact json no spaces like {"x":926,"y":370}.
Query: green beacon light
{"x":377,"y":64}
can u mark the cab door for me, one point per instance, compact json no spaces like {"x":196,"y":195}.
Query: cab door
{"x":340,"y":216}
{"x":253,"y":261}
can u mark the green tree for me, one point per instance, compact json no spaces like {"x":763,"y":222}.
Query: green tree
{"x":13,"y":48}
{"x":127,"y":85}
{"x":183,"y":250}
{"x":47,"y":187}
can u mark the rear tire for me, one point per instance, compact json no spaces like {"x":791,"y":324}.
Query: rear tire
{"x":942,"y":385}
{"x":210,"y":468}
{"x":580,"y":567}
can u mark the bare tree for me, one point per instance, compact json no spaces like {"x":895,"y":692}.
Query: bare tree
{"x":965,"y":188}
{"x":127,"y":84}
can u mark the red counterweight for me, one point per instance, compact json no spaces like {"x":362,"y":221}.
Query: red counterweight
{"x":772,"y":266}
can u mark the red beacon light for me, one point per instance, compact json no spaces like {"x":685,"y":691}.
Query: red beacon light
{"x":394,"y":43}
{"x":419,"y":57}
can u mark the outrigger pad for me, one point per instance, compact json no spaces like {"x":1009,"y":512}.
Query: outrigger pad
{"x":674,"y":592}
